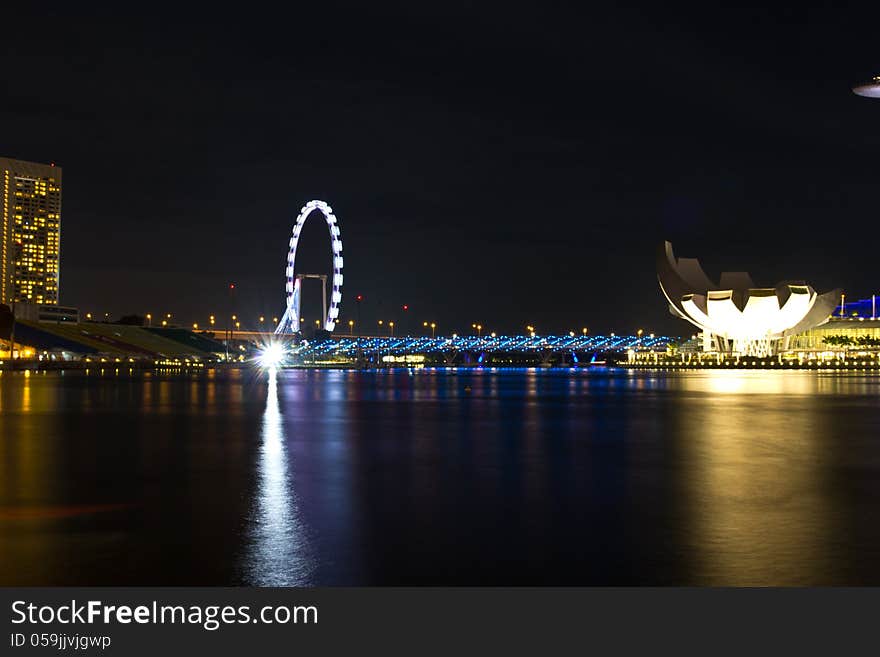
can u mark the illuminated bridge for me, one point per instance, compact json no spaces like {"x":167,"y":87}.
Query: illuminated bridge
{"x":350,"y":346}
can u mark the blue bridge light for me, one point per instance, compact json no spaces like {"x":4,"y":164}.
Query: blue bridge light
{"x":480,"y":347}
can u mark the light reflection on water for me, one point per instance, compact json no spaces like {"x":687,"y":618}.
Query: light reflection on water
{"x":755,"y":489}
{"x":440,"y":477}
{"x":278,"y":553}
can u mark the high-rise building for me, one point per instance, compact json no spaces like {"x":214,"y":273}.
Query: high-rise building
{"x":30,"y":260}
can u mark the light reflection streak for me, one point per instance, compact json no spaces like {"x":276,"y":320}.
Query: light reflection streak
{"x":26,"y":393}
{"x":753,"y":481}
{"x":279,"y":551}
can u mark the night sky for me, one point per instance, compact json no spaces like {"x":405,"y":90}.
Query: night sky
{"x":507,"y":165}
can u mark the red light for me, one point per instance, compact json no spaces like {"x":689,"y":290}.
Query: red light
{"x":405,"y":307}
{"x":232,"y":286}
{"x":360,"y":297}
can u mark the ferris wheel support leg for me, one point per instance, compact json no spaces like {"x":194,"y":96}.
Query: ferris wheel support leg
{"x":324,"y":298}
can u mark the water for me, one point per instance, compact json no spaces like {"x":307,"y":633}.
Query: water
{"x":440,"y":477}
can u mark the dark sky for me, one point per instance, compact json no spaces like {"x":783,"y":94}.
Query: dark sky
{"x":503,"y":164}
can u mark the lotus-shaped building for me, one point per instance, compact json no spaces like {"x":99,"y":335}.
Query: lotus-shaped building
{"x":734,"y":315}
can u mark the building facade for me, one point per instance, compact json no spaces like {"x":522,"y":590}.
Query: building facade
{"x":30,"y":254}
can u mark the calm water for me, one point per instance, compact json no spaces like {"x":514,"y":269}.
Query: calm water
{"x":441,"y":477}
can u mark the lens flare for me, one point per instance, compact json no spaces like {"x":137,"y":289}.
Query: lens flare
{"x":271,"y":356}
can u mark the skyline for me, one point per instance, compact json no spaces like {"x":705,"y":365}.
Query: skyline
{"x":507,"y":170}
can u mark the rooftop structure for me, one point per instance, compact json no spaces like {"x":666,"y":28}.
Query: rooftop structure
{"x":869,"y":89}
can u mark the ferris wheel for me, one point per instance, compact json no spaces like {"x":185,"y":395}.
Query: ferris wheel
{"x":290,"y":320}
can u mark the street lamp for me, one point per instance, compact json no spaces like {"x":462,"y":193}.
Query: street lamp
{"x":433,"y":326}
{"x":228,"y":329}
{"x":391,"y":326}
{"x":351,"y":327}
{"x":149,"y":319}
{"x":357,"y":300}
{"x":195,"y":325}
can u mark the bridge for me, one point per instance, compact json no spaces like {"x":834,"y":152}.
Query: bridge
{"x":351,"y":346}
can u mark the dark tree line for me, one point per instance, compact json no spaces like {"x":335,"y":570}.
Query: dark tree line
{"x":850,"y":341}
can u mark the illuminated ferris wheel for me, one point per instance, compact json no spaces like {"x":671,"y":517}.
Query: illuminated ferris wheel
{"x":290,"y":321}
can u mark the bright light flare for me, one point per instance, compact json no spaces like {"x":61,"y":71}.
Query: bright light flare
{"x":272,"y":355}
